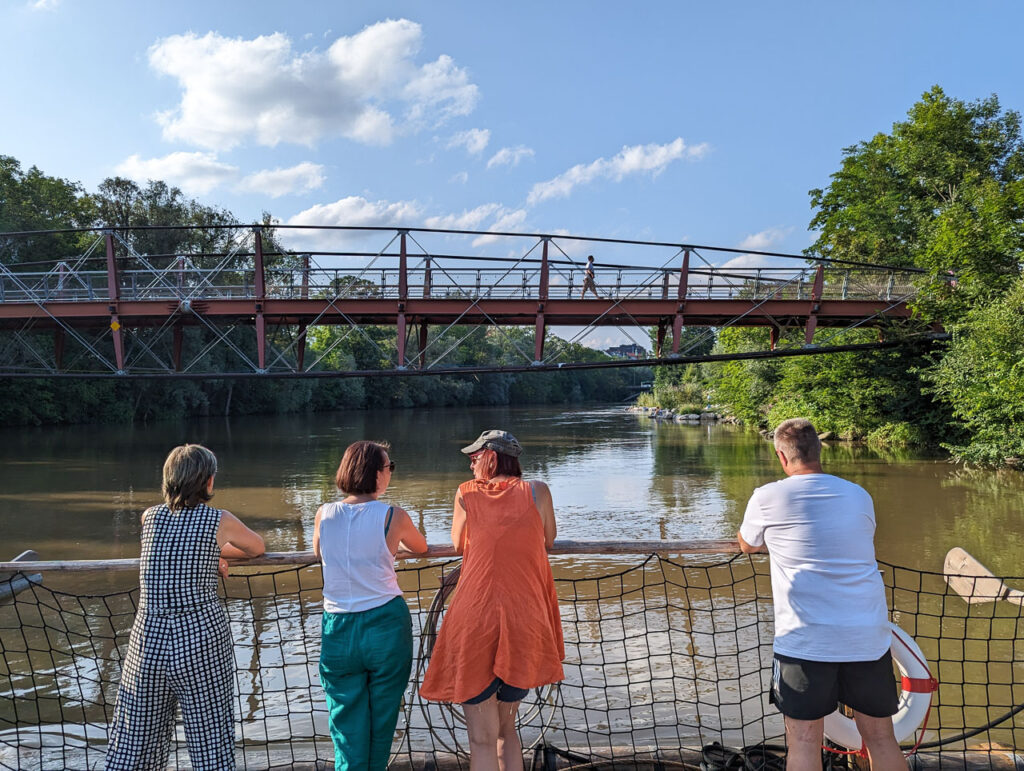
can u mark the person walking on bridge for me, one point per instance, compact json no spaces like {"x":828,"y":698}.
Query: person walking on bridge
{"x":832,"y":633}
{"x":588,"y":279}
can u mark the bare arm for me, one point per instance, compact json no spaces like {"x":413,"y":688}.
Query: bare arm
{"x":316,"y":534}
{"x":459,"y":525}
{"x":746,"y":548}
{"x":405,"y":534}
{"x":236,"y":541}
{"x":546,"y":507}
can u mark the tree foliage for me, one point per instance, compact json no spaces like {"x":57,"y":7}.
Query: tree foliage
{"x":942,"y":192}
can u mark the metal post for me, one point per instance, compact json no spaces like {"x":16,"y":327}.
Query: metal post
{"x":544,"y":271}
{"x":305,"y":277}
{"x":261,"y":291}
{"x":113,"y":295}
{"x":539,"y":330}
{"x":684,"y":281}
{"x":816,"y":292}
{"x":664,"y":285}
{"x":661,"y":336}
{"x":427,"y":288}
{"x":773,"y":336}
{"x":401,"y":340}
{"x":403,"y":270}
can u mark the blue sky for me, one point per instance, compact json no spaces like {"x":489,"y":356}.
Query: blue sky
{"x":668,"y":121}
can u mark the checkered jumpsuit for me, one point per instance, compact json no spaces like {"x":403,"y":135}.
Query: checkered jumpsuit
{"x":180,"y":650}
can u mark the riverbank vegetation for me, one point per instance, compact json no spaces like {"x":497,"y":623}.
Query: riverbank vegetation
{"x":943,"y":192}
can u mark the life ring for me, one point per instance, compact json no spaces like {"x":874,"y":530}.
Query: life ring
{"x":915,"y":699}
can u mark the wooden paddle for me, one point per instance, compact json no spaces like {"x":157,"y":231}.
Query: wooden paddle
{"x":974,"y":582}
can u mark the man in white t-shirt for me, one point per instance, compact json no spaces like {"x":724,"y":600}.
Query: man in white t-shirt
{"x":831,"y":623}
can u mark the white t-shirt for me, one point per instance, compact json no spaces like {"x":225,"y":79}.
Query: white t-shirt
{"x":828,"y":594}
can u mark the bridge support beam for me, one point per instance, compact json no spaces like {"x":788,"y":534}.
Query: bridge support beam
{"x":677,"y":322}
{"x":660,"y":340}
{"x":540,"y":325}
{"x":773,"y":337}
{"x":403,"y":295}
{"x":261,"y":296}
{"x":816,"y":293}
{"x":113,"y":295}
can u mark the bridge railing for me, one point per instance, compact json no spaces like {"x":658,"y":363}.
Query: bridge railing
{"x":437,"y":281}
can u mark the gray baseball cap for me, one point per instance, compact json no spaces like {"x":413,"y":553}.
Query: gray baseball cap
{"x":499,"y":441}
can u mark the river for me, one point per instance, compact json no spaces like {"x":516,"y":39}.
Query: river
{"x":663,"y":653}
{"x":77,"y":492}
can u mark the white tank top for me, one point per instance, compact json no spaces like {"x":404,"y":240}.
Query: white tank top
{"x":359,"y":569}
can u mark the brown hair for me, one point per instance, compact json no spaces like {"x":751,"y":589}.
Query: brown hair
{"x":357,"y":472}
{"x":499,"y":464}
{"x":187,"y":473}
{"x":798,"y":440}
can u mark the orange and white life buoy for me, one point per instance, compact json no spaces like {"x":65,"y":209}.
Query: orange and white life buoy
{"x":915,"y":699}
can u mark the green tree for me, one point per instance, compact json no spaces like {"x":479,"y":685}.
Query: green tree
{"x":981,"y":377}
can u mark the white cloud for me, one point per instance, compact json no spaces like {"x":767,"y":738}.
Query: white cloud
{"x":366,"y":87}
{"x":194,"y":172}
{"x":509,"y":156}
{"x":470,"y":219}
{"x":474,"y":140}
{"x":357,"y":211}
{"x":461,"y":177}
{"x":277,"y":182}
{"x":44,"y":5}
{"x":352,"y":211}
{"x":766,"y":239}
{"x":639,"y":159}
{"x":508,"y":221}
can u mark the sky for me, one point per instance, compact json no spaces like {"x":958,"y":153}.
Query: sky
{"x":702,"y":123}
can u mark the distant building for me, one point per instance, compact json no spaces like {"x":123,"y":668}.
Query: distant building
{"x":631,"y":351}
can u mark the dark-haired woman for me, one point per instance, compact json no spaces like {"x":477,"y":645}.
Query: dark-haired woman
{"x":180,"y":648}
{"x":366,"y":645}
{"x":502,"y":633}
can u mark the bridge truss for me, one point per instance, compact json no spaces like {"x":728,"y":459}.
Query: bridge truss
{"x":247,"y":300}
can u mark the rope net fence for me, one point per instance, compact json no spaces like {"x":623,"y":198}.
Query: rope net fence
{"x":663,"y":657}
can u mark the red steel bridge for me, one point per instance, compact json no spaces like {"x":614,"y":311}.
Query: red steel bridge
{"x":122,"y":301}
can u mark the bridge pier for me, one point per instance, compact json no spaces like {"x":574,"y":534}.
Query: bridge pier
{"x":677,"y":322}
{"x":261,"y":296}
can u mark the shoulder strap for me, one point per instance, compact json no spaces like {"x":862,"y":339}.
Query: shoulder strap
{"x":533,"y":492}
{"x":387,"y":522}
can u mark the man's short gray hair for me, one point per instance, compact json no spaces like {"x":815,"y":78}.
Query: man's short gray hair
{"x":798,"y":440}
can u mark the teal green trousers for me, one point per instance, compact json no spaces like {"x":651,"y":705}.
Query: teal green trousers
{"x":365,"y":662}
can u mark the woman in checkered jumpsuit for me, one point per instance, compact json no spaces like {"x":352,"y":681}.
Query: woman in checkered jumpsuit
{"x":180,"y":652}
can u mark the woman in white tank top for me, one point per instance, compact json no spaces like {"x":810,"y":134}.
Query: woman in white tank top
{"x":366,"y":644}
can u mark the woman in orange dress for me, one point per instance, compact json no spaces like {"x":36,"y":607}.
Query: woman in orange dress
{"x":502,"y":634}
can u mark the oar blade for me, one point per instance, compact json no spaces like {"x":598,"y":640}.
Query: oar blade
{"x":972,"y":580}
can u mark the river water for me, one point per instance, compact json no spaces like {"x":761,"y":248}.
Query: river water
{"x":663,"y":652}
{"x":77,"y":492}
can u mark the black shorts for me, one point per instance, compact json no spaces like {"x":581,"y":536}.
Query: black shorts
{"x":809,"y":690}
{"x":506,"y":693}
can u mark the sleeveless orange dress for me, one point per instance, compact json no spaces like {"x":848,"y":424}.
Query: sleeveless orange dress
{"x":503,"y":620}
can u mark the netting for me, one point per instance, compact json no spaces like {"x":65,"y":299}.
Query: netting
{"x":663,"y":656}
